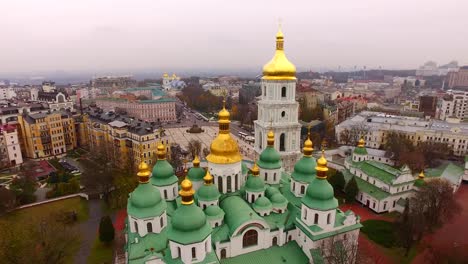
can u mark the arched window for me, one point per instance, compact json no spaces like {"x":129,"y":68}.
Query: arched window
{"x":283,"y":92}
{"x":294,"y":186}
{"x":302,"y":189}
{"x":223,"y":253}
{"x":136,"y":226}
{"x":237,"y":182}
{"x":149,"y":227}
{"x":266,"y":176}
{"x":274,"y":176}
{"x":216,"y":224}
{"x":289,"y":239}
{"x":194,"y":253}
{"x":220,"y":184}
{"x":161,"y":221}
{"x":165,"y":194}
{"x":328,"y":218}
{"x":174,"y":191}
{"x":283,"y":114}
{"x":305,"y":214}
{"x":228,"y":181}
{"x":316,"y":219}
{"x":260,"y":141}
{"x":275,"y":241}
{"x":282,"y":142}
{"x":252,"y":198}
{"x":250,"y":238}
{"x":178,"y":252}
{"x":264,"y":90}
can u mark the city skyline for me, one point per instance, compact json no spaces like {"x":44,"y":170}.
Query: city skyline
{"x":88,"y":36}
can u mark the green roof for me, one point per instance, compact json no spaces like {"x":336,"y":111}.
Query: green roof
{"x":278,"y":200}
{"x":139,"y":251}
{"x":419,"y":183}
{"x":210,"y":258}
{"x":304,"y":170}
{"x":366,"y":187}
{"x":319,"y":195}
{"x":188,"y":225}
{"x":207,"y":193}
{"x":254,"y":184}
{"x":290,"y":253}
{"x":261,"y":204}
{"x":381,"y":171}
{"x":448,"y":171}
{"x":269,"y":158}
{"x":270,"y":191}
{"x":237,"y":212}
{"x":163,"y":174}
{"x":196,"y":174}
{"x":145,"y":201}
{"x":214,"y":212}
{"x":360,"y":151}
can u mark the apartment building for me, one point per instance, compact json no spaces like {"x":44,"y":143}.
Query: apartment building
{"x":374,"y":126}
{"x":47,"y":135}
{"x":454,"y":105}
{"x":10,"y":150}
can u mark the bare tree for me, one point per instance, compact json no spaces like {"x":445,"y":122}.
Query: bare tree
{"x":341,"y":250}
{"x":206,"y":152}
{"x":194,"y":147}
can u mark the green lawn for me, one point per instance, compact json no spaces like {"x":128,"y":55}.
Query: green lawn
{"x":379,"y":231}
{"x":100,"y":253}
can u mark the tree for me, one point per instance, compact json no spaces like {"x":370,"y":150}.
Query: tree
{"x":438,"y":201}
{"x":206,"y":152}
{"x":24,"y":186}
{"x":410,"y":225}
{"x":194,"y":147}
{"x":106,"y":230}
{"x":351,"y":190}
{"x":397,"y":144}
{"x":345,"y":137}
{"x":341,"y":251}
{"x":337,"y":180}
{"x":8,"y":200}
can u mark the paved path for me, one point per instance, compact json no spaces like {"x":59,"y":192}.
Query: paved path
{"x":89,"y":231}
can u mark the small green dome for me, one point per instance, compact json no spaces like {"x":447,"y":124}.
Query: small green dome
{"x":360,"y":150}
{"x":207,"y":193}
{"x":419,"y":183}
{"x":163,"y":174}
{"x":188,"y":225}
{"x":214,"y":211}
{"x":270,"y":191}
{"x":262,"y":204}
{"x":304,"y":170}
{"x":320,"y":195}
{"x":269,"y":158}
{"x":254,"y":184}
{"x":278,"y":199}
{"x":145,"y":201}
{"x":196,"y":174}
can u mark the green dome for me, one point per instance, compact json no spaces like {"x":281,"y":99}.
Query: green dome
{"x":207,"y":193}
{"x":196,"y":174}
{"x":262,"y":203}
{"x":188,"y":225}
{"x":360,"y":150}
{"x":278,"y":199}
{"x":214,"y":211}
{"x":270,"y":191}
{"x":304,"y":170}
{"x":269,"y":158}
{"x":163,"y":174}
{"x":419,"y":183}
{"x":145,"y":201}
{"x":254,"y":184}
{"x":320,"y":195}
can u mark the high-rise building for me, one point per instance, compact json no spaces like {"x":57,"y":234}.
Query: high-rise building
{"x":278,"y":108}
{"x":454,"y":105}
{"x":458,"y":79}
{"x":428,"y":105}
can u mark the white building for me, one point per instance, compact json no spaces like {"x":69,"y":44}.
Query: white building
{"x":278,"y":108}
{"x":454,"y":105}
{"x":10,"y":151}
{"x":7,"y":93}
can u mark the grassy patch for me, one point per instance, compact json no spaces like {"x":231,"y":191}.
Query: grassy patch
{"x":100,"y":253}
{"x":391,"y":215}
{"x":379,"y":231}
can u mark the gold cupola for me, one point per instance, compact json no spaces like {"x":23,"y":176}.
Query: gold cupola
{"x":208,"y":178}
{"x":421,"y":175}
{"x":255,"y":170}
{"x":322,"y":168}
{"x":224,"y":149}
{"x":161,"y":151}
{"x":144,"y":172}
{"x":308,"y":145}
{"x":361,"y":143}
{"x":279,"y":67}
{"x":271,"y":138}
{"x":196,"y":162}
{"x":186,"y":192}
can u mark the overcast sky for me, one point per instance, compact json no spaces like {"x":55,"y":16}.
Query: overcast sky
{"x":89,"y":35}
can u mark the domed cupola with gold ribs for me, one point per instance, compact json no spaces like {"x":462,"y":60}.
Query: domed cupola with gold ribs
{"x":279,"y":67}
{"x":224,"y":149}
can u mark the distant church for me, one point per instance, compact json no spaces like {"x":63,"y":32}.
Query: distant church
{"x":226,"y":212}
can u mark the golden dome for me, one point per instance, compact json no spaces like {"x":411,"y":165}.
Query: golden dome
{"x":165,"y":75}
{"x":308,"y":146}
{"x":144,"y":172}
{"x":255,"y":170}
{"x":322,"y":166}
{"x":279,"y":67}
{"x":196,"y":162}
{"x":224,"y":149}
{"x":361,"y":143}
{"x":421,"y":175}
{"x":270,"y":138}
{"x":187,"y":191}
{"x":161,"y":151}
{"x":208,"y":178}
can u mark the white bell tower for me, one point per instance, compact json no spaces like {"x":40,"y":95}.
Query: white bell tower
{"x":278,"y":108}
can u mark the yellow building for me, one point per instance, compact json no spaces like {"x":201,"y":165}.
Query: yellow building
{"x":47,"y":135}
{"x":124,"y":140}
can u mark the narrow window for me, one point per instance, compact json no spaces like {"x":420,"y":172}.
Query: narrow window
{"x":194,"y":253}
{"x":283,"y":92}
{"x":328,"y":218}
{"x":149,"y":227}
{"x":161,"y":221}
{"x":316,"y":218}
{"x":302,"y":189}
{"x":165,"y":194}
{"x":136,"y":226}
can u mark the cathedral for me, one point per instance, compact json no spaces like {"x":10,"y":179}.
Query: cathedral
{"x":228,"y":212}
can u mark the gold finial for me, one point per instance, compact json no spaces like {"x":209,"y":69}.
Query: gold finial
{"x":186,"y":192}
{"x":208,"y":178}
{"x":421,"y":175}
{"x":279,"y":38}
{"x":255,"y":169}
{"x":361,"y":142}
{"x":322,"y":168}
{"x":196,"y":161}
{"x":308,"y":145}
{"x":161,"y":151}
{"x":144,"y":172}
